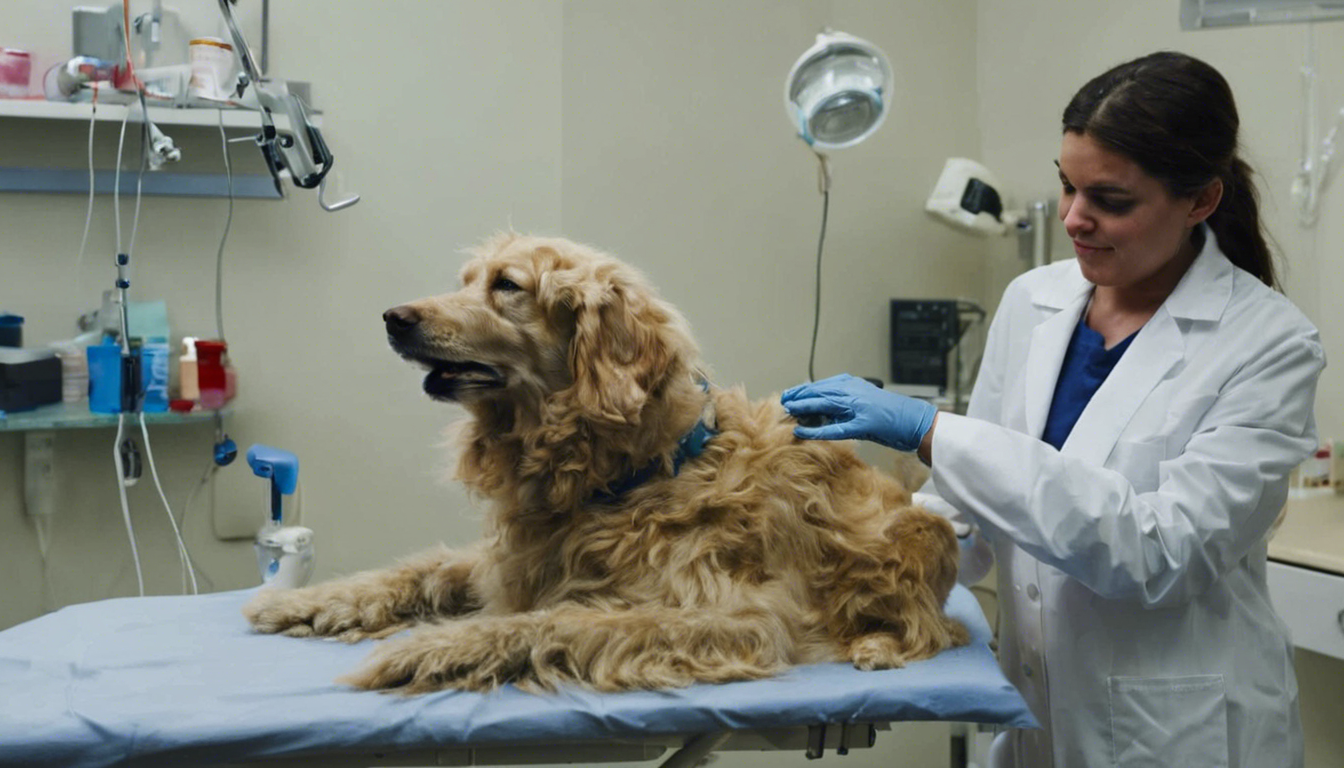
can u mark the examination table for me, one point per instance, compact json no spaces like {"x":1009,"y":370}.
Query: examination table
{"x":184,"y":681}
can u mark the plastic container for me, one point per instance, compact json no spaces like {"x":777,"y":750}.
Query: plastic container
{"x":154,"y":376}
{"x":210,"y":372}
{"x":16,"y":70}
{"x":74,"y":374}
{"x":104,"y":378}
{"x":188,"y":381}
{"x":11,"y":330}
{"x":212,"y":64}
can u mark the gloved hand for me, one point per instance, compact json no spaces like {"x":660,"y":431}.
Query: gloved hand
{"x":856,"y":409}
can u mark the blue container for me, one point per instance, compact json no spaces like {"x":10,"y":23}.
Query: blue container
{"x":11,"y":330}
{"x":154,"y":375}
{"x":104,"y":378}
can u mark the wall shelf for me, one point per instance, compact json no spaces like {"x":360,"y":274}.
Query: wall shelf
{"x":39,"y":425}
{"x":76,"y":180}
{"x":61,"y":180}
{"x":78,"y":416}
{"x":199,"y":114}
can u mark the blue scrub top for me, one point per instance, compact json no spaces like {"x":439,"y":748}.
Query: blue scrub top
{"x":1087,"y":363}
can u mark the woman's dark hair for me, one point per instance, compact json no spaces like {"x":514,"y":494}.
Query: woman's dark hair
{"x":1174,"y":116}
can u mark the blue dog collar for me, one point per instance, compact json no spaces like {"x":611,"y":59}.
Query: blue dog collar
{"x":690,"y":445}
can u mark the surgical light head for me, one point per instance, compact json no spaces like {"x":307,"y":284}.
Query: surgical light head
{"x":836,"y":93}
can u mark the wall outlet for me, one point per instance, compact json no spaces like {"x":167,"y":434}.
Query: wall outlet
{"x":238,"y":502}
{"x":39,"y":472}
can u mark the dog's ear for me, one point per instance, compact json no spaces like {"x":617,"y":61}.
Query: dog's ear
{"x":621,"y":346}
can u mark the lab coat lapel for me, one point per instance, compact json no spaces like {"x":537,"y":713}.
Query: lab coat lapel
{"x":1049,"y":341}
{"x":1159,"y":346}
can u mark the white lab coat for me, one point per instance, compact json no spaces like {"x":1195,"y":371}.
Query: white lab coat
{"x":1136,"y":620}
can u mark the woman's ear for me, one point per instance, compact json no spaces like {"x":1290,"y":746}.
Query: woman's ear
{"x":1205,"y":202}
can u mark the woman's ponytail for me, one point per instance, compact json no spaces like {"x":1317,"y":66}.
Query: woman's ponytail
{"x":1236,"y":224}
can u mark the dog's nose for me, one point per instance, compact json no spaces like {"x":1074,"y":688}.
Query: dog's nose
{"x":401,"y":319}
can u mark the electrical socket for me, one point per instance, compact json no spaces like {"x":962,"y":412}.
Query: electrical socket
{"x":238,"y":502}
{"x":39,"y":472}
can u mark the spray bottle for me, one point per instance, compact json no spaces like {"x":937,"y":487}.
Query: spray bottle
{"x":284,"y":553}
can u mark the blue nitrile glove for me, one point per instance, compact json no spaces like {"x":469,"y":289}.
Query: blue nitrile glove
{"x":852,"y":408}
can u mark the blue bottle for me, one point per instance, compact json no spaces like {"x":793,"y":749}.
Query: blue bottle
{"x":154,"y":375}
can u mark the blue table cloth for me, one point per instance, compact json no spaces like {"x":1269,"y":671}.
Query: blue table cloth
{"x":183,"y":680}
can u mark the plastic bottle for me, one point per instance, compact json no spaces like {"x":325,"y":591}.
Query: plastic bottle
{"x":189,"y":387}
{"x":154,"y":375}
{"x":210,"y":372}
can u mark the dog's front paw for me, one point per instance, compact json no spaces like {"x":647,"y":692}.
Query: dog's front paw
{"x":876,"y":651}
{"x":466,"y":655}
{"x":325,"y":610}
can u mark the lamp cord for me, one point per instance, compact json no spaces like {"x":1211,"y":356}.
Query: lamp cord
{"x":824,"y":178}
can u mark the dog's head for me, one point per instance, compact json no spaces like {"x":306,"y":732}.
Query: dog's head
{"x":548,"y":321}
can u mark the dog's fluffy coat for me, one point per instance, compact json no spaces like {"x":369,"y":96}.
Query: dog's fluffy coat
{"x":761,"y":552}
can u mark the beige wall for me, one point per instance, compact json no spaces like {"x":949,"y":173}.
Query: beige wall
{"x":678,"y":156}
{"x":454,"y":119}
{"x":446,"y":142}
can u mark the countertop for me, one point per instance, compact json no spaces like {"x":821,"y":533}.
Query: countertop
{"x":1311,"y":533}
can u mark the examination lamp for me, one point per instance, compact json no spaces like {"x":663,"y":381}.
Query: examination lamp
{"x":835,"y":94}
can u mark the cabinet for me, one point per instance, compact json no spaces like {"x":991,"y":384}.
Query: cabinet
{"x":1306,"y":573}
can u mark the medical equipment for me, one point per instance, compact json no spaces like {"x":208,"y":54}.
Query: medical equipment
{"x":928,"y":356}
{"x":836,"y":93}
{"x":284,"y":553}
{"x":966,"y":197}
{"x":301,"y":151}
{"x":836,"y":96}
{"x":184,"y":680}
{"x":1213,"y":14}
{"x":1317,"y":165}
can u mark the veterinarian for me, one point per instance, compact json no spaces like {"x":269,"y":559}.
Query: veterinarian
{"x":1128,"y":443}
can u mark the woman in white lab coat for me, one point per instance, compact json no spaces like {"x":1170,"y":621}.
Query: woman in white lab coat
{"x":1128,"y":444}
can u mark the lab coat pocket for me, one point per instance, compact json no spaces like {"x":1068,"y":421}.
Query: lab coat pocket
{"x":1159,"y":722}
{"x":1138,"y":461}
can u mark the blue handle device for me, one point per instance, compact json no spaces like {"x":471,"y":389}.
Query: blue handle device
{"x":279,"y":466}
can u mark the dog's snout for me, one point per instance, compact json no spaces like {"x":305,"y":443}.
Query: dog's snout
{"x":401,"y":319}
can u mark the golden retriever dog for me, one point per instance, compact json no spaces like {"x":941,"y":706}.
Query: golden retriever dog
{"x":645,"y":528}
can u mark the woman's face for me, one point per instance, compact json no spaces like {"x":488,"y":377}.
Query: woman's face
{"x":1128,"y":230}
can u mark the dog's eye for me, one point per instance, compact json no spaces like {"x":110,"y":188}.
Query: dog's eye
{"x":504,"y":284}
